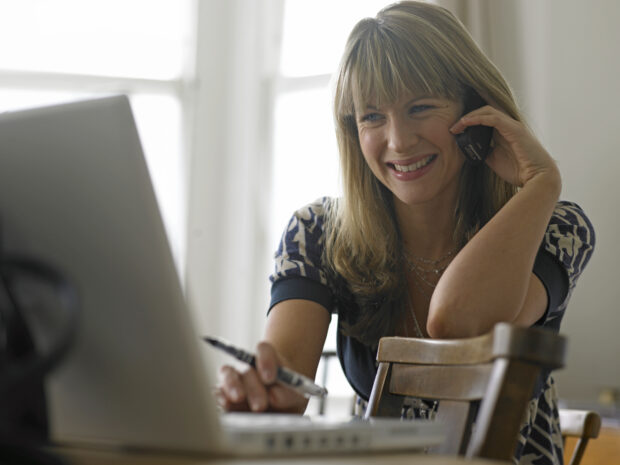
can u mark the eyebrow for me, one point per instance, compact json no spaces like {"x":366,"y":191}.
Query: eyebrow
{"x":369,"y":107}
{"x":409,"y":102}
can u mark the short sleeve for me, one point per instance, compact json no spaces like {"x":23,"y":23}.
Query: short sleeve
{"x":570,"y":239}
{"x":565,"y":251}
{"x":299,"y":272}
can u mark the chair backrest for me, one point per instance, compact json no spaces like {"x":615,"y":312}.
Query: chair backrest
{"x":582,"y":425}
{"x":483,"y":384}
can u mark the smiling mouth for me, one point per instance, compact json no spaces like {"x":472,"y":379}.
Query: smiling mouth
{"x":413,"y":166}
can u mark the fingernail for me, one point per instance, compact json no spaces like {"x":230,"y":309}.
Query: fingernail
{"x":235,"y":394}
{"x":267,"y":374}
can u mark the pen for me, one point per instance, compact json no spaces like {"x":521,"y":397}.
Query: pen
{"x":290,"y":378}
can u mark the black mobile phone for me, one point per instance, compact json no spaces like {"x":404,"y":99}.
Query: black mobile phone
{"x":475,"y":141}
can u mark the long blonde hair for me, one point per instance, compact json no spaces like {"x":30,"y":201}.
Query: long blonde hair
{"x":408,"y":47}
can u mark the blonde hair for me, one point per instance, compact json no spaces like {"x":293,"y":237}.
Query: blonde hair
{"x":409,"y":47}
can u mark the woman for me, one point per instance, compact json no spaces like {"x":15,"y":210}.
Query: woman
{"x":423,"y":243}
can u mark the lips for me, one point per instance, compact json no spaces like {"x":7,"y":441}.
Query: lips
{"x":414,"y":166}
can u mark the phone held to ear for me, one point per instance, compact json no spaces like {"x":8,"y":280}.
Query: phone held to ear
{"x":475,"y":141}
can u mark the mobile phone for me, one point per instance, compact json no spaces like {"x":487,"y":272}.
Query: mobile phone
{"x":475,"y":141}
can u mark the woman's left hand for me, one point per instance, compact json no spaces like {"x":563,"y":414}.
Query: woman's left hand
{"x":516,"y":154}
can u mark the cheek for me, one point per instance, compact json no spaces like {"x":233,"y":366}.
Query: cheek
{"x":370,"y":145}
{"x":442,"y":137}
{"x":438,"y":131}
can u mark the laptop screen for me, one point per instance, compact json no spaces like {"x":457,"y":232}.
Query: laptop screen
{"x":75,"y":193}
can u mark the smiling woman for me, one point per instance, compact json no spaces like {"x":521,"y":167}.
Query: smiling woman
{"x":422,"y":243}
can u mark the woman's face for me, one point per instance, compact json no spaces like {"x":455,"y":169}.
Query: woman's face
{"x":409,"y":148}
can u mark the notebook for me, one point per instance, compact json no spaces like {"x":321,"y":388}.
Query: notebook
{"x":75,"y":191}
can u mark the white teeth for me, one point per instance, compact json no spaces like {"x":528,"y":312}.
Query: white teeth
{"x":414,"y":166}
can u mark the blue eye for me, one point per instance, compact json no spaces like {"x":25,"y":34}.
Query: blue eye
{"x":371,"y":117}
{"x":419,"y":108}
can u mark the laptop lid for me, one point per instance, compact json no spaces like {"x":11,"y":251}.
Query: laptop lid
{"x":75,"y":192}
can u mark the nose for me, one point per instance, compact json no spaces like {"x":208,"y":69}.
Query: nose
{"x":402,"y":135}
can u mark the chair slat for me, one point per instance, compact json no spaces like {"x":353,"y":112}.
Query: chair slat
{"x":434,"y":351}
{"x":465,"y":383}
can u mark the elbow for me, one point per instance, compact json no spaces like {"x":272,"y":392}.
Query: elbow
{"x":447,"y":322}
{"x":458,"y":322}
{"x":442,"y":328}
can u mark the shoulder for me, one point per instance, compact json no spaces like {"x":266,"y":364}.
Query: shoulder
{"x":300,"y":251}
{"x":314,"y":214}
{"x":570,"y":237}
{"x":308,"y":223}
{"x":569,"y":213}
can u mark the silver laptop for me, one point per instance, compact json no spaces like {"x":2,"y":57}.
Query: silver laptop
{"x":75,"y":192}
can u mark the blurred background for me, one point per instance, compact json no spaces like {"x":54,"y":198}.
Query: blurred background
{"x":232,"y":101}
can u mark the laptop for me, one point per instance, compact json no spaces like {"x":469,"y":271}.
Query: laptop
{"x":75,"y":192}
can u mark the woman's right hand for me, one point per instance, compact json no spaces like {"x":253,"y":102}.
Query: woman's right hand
{"x":255,"y":389}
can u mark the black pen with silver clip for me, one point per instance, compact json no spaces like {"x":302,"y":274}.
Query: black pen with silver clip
{"x":290,"y":378}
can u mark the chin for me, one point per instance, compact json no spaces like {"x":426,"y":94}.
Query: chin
{"x":412,"y":201}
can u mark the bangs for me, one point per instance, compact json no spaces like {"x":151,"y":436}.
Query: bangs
{"x":385,"y":64}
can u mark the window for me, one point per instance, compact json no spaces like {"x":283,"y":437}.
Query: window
{"x":63,"y":50}
{"x":305,"y":155}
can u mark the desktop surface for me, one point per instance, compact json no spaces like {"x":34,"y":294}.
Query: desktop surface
{"x":110,"y":457}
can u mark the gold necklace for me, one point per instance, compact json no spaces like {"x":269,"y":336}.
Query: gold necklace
{"x":428,"y":261}
{"x":426,"y":265}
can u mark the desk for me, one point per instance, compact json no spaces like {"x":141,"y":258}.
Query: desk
{"x":100,"y":457}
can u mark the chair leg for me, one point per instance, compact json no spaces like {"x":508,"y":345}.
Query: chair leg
{"x":580,"y":448}
{"x":381,"y":403}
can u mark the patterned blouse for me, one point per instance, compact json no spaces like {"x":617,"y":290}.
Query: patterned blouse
{"x":300,"y":273}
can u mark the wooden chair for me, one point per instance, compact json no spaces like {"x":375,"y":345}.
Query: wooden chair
{"x":483,"y":384}
{"x":582,"y":425}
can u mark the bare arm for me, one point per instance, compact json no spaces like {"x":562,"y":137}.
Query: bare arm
{"x":294,"y":337}
{"x":491,"y":278}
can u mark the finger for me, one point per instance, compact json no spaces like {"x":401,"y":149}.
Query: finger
{"x":473,"y":118}
{"x":505,"y":126}
{"x":231,"y":384}
{"x":255,"y":391}
{"x":266,"y":362}
{"x":284,"y":398}
{"x":226,"y":404}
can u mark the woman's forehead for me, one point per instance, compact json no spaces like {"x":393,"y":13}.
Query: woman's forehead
{"x":406,"y":96}
{"x":361,"y":101}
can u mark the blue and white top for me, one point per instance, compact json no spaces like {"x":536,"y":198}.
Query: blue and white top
{"x":301,"y":273}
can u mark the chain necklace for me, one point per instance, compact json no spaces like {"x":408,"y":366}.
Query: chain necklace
{"x":419,"y":274}
{"x":421,"y":266}
{"x":418,"y":331}
{"x":428,"y":261}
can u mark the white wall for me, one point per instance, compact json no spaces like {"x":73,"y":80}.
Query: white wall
{"x":583,"y":132}
{"x":561,"y":57}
